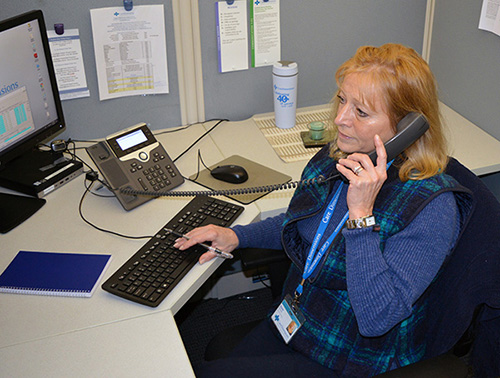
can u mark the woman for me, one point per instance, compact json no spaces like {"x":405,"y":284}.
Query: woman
{"x":360,"y":288}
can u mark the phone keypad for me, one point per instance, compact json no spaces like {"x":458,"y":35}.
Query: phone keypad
{"x":158,"y":177}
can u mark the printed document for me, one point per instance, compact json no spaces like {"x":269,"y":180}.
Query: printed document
{"x":265,"y":32}
{"x":130,"y":51}
{"x":66,"y":52}
{"x":232,"y":38}
{"x":490,"y":16}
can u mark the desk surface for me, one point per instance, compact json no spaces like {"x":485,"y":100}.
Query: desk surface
{"x":67,"y":326}
{"x":28,"y":320}
{"x":138,"y":347}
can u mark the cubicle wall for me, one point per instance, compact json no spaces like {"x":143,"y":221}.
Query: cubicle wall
{"x":466,"y":62}
{"x":318,"y":34}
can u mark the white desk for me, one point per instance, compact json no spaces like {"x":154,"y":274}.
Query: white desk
{"x":473,"y":147}
{"x":58,"y":336}
{"x":145,"y":346}
{"x":61,"y":324}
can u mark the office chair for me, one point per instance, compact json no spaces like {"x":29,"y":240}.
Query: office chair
{"x":466,"y":296}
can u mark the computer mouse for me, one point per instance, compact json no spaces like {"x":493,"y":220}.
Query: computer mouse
{"x":234,"y":174}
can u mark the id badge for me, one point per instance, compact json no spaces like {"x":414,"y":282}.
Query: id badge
{"x":288,"y":319}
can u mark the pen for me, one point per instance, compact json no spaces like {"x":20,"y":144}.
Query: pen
{"x":219,"y":253}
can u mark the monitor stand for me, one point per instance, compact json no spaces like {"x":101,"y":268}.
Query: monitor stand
{"x":35,"y":173}
{"x":15,"y":209}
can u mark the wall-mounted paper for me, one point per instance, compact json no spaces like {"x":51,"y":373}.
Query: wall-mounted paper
{"x":130,"y":51}
{"x":490,"y":16}
{"x":265,"y":32}
{"x":66,"y":52}
{"x":232,"y":37}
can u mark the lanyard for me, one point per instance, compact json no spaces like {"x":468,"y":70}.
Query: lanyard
{"x":315,"y":255}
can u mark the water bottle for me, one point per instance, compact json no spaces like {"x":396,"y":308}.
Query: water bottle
{"x":285,"y":75}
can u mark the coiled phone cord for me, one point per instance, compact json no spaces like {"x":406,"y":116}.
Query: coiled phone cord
{"x":228,"y":192}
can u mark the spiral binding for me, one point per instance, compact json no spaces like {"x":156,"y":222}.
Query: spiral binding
{"x":227,"y":192}
{"x":48,"y":292}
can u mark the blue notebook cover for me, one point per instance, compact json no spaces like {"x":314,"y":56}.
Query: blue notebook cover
{"x":49,"y":273}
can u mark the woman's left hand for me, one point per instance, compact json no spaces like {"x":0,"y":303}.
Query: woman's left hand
{"x":365,"y":179}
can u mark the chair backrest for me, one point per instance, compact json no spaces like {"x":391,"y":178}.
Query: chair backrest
{"x":471,"y":277}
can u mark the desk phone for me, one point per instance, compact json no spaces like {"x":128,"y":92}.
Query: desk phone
{"x":133,"y":159}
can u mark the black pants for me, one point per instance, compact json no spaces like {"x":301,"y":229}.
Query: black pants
{"x":263,"y":353}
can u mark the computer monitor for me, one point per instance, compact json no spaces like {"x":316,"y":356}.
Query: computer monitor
{"x":30,"y":110}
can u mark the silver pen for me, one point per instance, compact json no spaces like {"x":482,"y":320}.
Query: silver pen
{"x":219,"y":253}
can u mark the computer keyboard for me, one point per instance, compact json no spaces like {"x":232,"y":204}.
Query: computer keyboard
{"x":157,"y":267}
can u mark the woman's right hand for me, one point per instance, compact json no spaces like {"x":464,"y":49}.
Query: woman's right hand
{"x":365,"y":185}
{"x":222,"y":238}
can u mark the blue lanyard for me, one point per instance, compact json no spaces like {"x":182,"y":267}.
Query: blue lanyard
{"x":315,"y":255}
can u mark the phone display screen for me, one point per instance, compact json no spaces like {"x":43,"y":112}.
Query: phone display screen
{"x":131,"y":140}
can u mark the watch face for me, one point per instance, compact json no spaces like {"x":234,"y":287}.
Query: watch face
{"x":370,"y":221}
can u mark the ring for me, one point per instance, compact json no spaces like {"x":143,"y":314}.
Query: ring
{"x":358,"y":169}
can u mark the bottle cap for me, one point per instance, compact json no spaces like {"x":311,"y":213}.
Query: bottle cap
{"x":285,"y":68}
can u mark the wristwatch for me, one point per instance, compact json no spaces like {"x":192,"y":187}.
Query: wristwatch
{"x":362,"y":222}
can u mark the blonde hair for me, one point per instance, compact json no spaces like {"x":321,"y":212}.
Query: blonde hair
{"x":406,"y":84}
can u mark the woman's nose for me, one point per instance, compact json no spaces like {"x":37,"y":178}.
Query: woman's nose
{"x":343,"y":116}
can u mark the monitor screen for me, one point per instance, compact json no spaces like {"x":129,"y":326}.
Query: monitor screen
{"x":30,"y":108}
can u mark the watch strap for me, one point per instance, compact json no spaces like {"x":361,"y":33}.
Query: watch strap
{"x":363,"y":222}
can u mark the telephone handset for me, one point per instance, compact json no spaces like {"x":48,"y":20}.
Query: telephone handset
{"x":134,"y":160}
{"x":409,"y":129}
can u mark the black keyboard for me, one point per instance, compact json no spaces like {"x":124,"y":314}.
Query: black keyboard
{"x":156,"y":268}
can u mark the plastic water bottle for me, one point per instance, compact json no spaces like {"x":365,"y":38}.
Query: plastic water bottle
{"x":285,"y":75}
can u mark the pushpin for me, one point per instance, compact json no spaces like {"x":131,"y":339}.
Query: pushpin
{"x":230,"y":2}
{"x":128,"y":4}
{"x":59,"y":29}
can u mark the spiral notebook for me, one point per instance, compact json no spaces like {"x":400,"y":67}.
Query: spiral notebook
{"x":49,"y":273}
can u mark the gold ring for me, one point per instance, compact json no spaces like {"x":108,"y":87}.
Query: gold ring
{"x":358,"y":169}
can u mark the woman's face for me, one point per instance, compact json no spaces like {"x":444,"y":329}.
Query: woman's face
{"x":359,"y":121}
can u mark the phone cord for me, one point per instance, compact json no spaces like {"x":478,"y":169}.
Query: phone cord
{"x":227,"y":192}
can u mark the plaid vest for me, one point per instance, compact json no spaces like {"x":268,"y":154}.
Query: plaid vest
{"x":330,"y":334}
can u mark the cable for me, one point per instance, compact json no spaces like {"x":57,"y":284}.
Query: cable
{"x":200,"y":159}
{"x":87,"y":190}
{"x":173,"y":130}
{"x":98,"y":194}
{"x":229,"y":192}
{"x":200,"y":138}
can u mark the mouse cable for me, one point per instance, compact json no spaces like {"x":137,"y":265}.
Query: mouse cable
{"x":200,"y":138}
{"x":87,"y":190}
{"x":180,"y":128}
{"x":230,"y":192}
{"x":200,"y":160}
